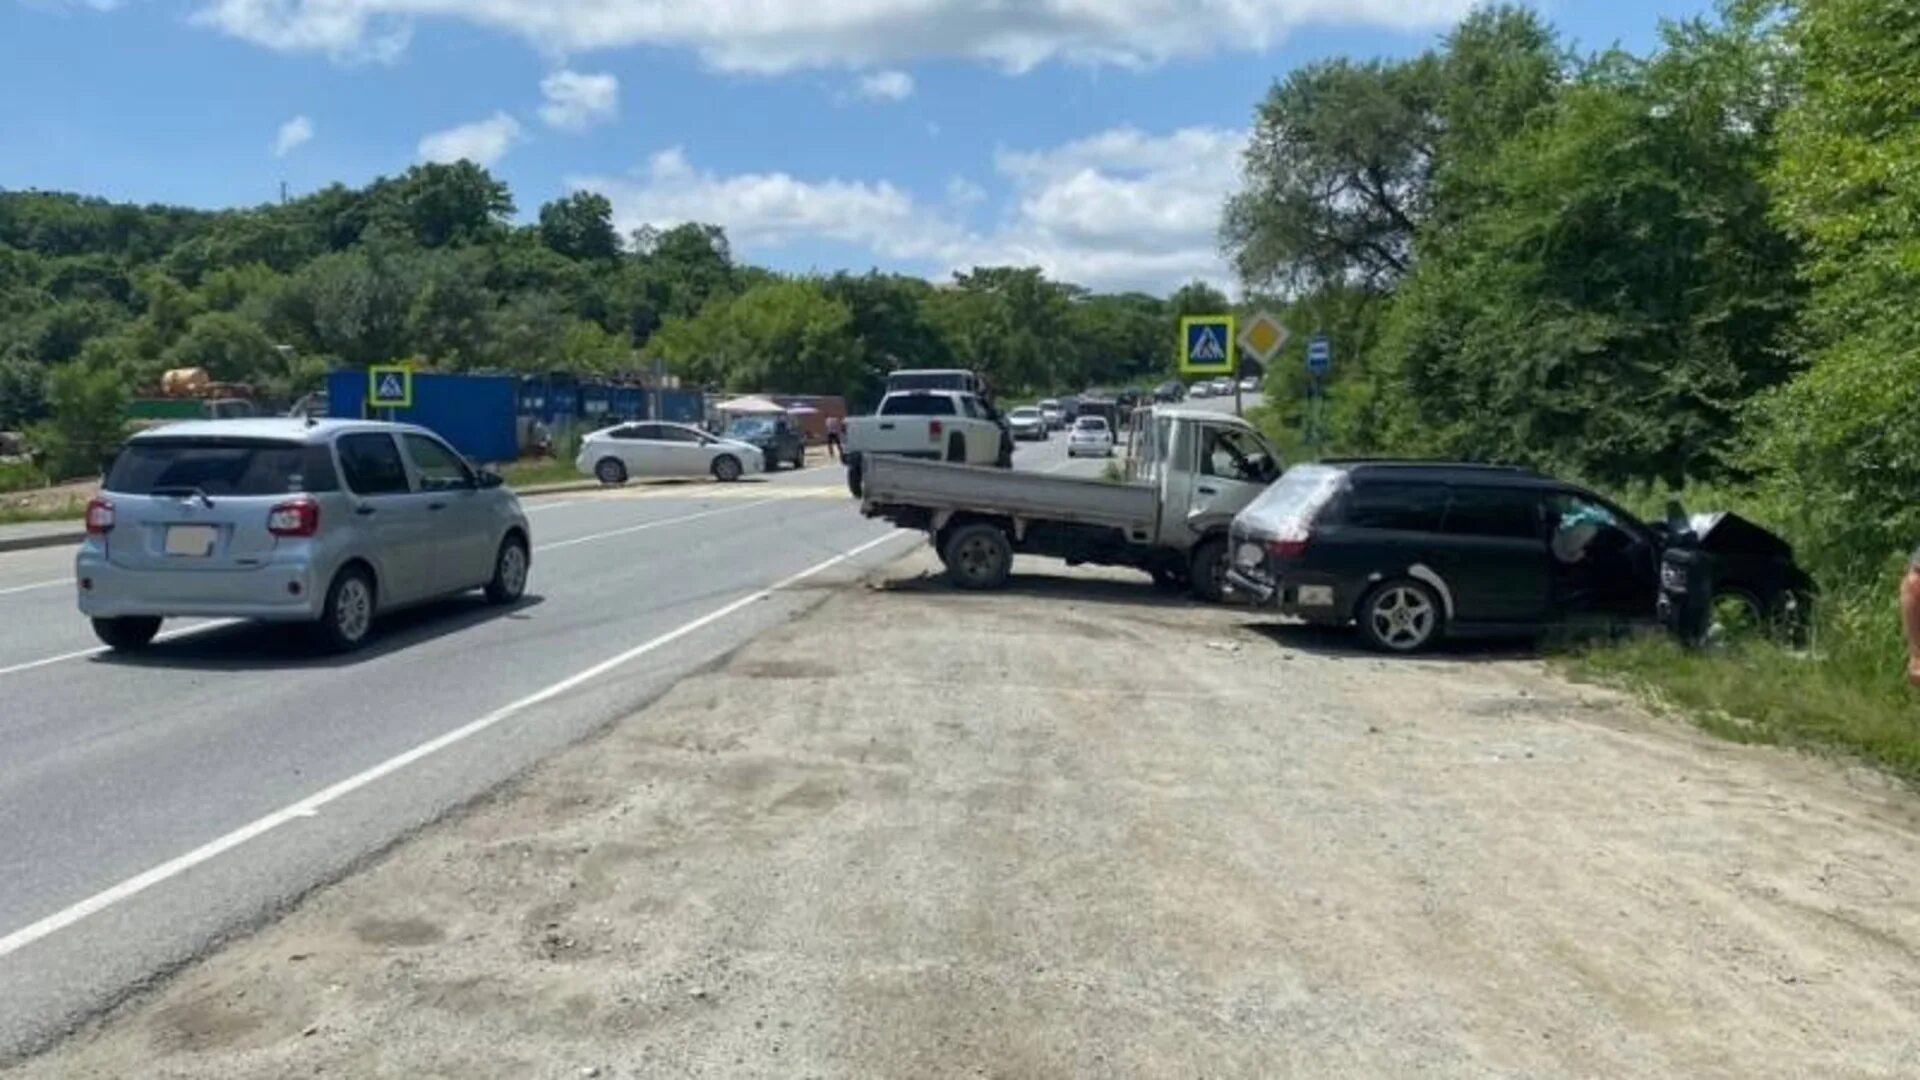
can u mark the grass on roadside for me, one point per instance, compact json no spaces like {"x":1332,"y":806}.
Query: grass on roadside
{"x":1849,"y":694}
{"x":21,"y":513}
{"x":534,"y":471}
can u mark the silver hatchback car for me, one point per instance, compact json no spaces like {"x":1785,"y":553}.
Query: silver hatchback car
{"x":325,"y":521}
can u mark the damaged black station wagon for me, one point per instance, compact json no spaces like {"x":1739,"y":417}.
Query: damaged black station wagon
{"x":1409,"y":552}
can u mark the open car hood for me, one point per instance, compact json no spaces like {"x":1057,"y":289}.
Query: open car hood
{"x":1724,"y":532}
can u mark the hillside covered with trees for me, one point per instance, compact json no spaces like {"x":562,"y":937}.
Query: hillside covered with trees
{"x":98,"y":299}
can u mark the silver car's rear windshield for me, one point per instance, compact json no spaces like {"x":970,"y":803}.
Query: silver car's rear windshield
{"x":220,"y":466}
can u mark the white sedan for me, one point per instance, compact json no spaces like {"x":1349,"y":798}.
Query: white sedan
{"x":1090,"y":435}
{"x":612,"y":455}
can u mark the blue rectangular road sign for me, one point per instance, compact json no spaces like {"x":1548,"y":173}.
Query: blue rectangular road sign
{"x":1319,"y":355}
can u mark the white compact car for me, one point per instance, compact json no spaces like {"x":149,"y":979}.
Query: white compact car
{"x":658,"y":450}
{"x":1090,"y":436}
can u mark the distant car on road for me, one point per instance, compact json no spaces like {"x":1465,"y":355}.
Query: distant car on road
{"x":1090,"y":436}
{"x":1055,"y":414}
{"x":1221,"y":387}
{"x":654,"y":450}
{"x":1027,"y":422}
{"x":1201,"y":389}
{"x":1170,"y":392}
{"x":328,"y":522}
{"x":780,"y":439}
{"x":1249,"y":384}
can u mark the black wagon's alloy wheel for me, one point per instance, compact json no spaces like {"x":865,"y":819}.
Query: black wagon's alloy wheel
{"x":1400,"y":616}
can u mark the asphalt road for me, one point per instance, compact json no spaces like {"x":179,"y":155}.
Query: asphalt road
{"x":158,"y":804}
{"x":155,"y":805}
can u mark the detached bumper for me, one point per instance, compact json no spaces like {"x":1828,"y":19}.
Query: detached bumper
{"x":1242,"y":585}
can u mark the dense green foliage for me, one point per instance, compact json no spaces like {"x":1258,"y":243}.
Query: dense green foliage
{"x":430,"y":267}
{"x":1692,"y":270}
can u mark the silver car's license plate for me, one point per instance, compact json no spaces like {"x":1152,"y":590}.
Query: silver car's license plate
{"x":191,"y":541}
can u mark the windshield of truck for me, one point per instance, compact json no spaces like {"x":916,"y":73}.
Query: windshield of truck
{"x":1026,"y":413}
{"x":1288,"y":507}
{"x":917,"y":405}
{"x":213,"y":467}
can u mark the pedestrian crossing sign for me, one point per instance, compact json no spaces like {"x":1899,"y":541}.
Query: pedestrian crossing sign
{"x":390,"y":386}
{"x":1207,"y":345}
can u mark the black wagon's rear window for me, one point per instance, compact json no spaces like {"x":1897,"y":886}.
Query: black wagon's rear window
{"x":218,"y":466}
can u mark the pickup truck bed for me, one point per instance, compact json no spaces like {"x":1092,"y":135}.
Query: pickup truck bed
{"x":927,"y":494}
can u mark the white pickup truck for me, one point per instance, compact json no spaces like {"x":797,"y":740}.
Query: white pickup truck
{"x":935,"y":425}
{"x":1192,"y":470}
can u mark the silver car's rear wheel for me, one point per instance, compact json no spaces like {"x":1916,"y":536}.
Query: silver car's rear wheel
{"x":347,"y":617}
{"x":610,"y":472}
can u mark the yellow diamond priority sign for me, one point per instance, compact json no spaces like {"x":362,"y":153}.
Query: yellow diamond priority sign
{"x":1263,"y":338}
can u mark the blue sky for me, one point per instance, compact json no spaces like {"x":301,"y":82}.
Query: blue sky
{"x":1094,"y":139}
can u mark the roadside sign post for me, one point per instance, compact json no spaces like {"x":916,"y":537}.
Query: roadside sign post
{"x":390,"y":387}
{"x":1319,"y":363}
{"x":1207,"y":346}
{"x":1262,"y":339}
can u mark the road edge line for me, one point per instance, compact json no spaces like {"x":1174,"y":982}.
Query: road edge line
{"x":307,"y":807}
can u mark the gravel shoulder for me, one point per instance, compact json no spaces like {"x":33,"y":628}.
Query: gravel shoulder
{"x":1078,"y":829}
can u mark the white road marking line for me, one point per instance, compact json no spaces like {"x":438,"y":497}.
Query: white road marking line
{"x":311,"y":805}
{"x":645,"y":525}
{"x":169,"y":635}
{"x":553,"y":505}
{"x":36,"y":585}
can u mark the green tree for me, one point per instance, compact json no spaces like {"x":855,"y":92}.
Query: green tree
{"x":23,"y":393}
{"x":785,"y":336}
{"x":1618,"y":294}
{"x":437,"y":205}
{"x":87,"y":407}
{"x":580,"y":226}
{"x":1841,"y":439}
{"x":229,"y":347}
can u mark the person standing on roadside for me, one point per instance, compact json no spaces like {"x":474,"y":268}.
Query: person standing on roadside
{"x":1910,"y":615}
{"x":834,"y":430}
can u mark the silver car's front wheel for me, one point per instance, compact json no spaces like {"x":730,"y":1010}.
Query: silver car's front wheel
{"x":509,"y":572}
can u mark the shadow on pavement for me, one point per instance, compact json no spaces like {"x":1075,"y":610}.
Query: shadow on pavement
{"x":1329,"y":641}
{"x":261,"y":646}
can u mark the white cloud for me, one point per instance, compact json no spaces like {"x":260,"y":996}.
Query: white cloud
{"x":964,"y":192}
{"x":482,"y":142}
{"x":759,"y":210}
{"x":774,"y":36}
{"x":292,"y":135}
{"x":576,"y":102}
{"x":1119,"y":210}
{"x":887,"y":86}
